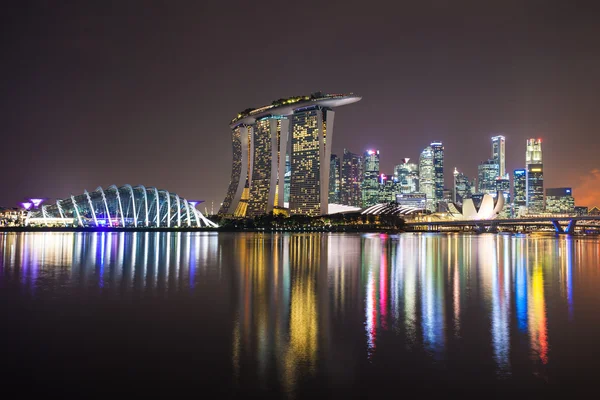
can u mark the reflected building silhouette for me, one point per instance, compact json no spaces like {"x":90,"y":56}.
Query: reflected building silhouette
{"x":409,"y":268}
{"x":152,"y":262}
{"x":296,"y":305}
{"x":370,"y":259}
{"x":521,"y":273}
{"x":500,"y":326}
{"x":282,"y":305}
{"x":537,"y":314}
{"x":431,"y":274}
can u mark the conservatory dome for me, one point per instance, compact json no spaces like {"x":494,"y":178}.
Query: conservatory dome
{"x":123,"y":207}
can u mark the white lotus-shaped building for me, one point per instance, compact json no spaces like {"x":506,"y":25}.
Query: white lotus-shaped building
{"x":123,"y":207}
{"x":489,"y":208}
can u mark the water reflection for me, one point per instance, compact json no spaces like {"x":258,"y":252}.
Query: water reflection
{"x":311,"y":304}
{"x":107,"y":260}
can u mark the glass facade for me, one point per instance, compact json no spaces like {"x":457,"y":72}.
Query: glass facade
{"x":487,"y":172}
{"x":503,"y":187}
{"x":535,"y":176}
{"x":520,"y":185}
{"x":535,"y":188}
{"x":407,"y":175}
{"x":236,"y":171}
{"x":560,"y":201}
{"x":370,"y":183}
{"x":438,"y":167}
{"x":334,"y":179}
{"x":463,"y":187}
{"x":309,"y":191}
{"x":122,"y":207}
{"x":416,"y":200}
{"x":519,"y":192}
{"x":533,"y":154}
{"x":427,"y":177}
{"x":351,"y":179}
{"x":281,"y":157}
{"x":260,"y":185}
{"x":499,"y":155}
{"x":388,"y":188}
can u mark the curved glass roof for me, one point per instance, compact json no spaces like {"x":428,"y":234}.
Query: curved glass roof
{"x":124,"y":206}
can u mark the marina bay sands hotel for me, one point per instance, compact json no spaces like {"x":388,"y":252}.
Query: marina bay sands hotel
{"x":281,"y":156}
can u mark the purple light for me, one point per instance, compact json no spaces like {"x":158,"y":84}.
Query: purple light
{"x":36,"y":202}
{"x":194,"y":203}
{"x":26,"y":205}
{"x":370,"y":152}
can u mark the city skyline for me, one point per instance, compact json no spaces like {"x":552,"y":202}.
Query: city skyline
{"x":108,"y":97}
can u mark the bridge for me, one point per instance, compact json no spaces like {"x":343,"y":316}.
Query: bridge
{"x":560,"y":224}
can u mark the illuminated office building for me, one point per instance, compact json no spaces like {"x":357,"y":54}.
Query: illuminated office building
{"x":499,"y":155}
{"x":286,"y":181}
{"x":298,"y":130}
{"x":351,"y":179}
{"x":334,"y":179}
{"x":535,"y":176}
{"x":535,"y":188}
{"x":519,"y":191}
{"x":533,"y":154}
{"x":427,"y":177}
{"x":487,"y":172}
{"x":407,"y":175}
{"x":503,"y":187}
{"x":438,"y":168}
{"x":463,"y":187}
{"x":388,"y":188}
{"x":370,"y":183}
{"x":560,"y":201}
{"x":581,"y":211}
{"x":415,"y":200}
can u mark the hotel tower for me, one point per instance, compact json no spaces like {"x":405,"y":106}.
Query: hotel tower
{"x":283,"y":148}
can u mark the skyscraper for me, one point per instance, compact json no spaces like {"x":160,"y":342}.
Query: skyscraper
{"x":503,"y":189}
{"x":519,"y":191}
{"x":463,"y":187}
{"x":560,"y":201}
{"x":297,"y":129}
{"x":438,"y":167}
{"x":535,"y":176}
{"x":311,"y":158}
{"x":266,"y":187}
{"x":236,"y":200}
{"x":535,"y":188}
{"x":427,"y":177}
{"x":334,"y":180}
{"x":351,"y":179}
{"x":533,"y":154}
{"x":388,"y":188}
{"x":487,"y":172}
{"x":407,"y":176}
{"x":370,"y":183}
{"x":499,"y":155}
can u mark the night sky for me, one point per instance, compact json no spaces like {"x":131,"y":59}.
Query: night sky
{"x":141,"y":92}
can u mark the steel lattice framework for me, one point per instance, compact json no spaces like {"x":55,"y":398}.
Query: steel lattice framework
{"x":124,"y":206}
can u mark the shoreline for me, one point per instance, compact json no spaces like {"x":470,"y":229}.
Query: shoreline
{"x":369,"y":229}
{"x":224,"y":229}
